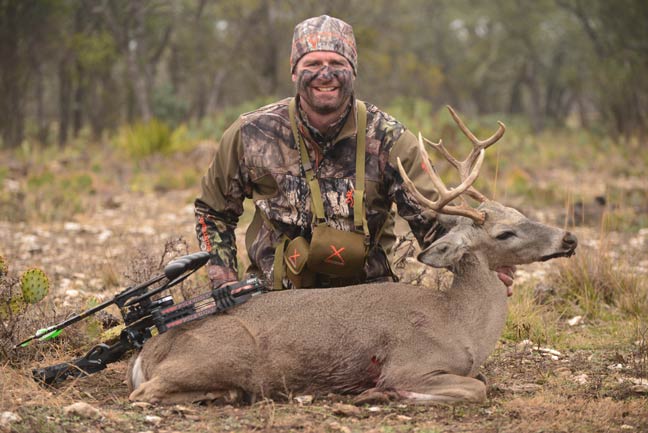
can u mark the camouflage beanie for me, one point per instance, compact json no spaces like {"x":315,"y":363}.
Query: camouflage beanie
{"x":323,"y":33}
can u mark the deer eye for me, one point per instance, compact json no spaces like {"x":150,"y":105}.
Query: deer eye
{"x":505,"y":235}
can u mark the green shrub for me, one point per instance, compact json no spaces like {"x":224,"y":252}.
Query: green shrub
{"x":142,"y":139}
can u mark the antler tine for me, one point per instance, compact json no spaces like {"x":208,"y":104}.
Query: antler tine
{"x":478,"y":145}
{"x":464,"y":167}
{"x":439,"y":147}
{"x":436,"y":180}
{"x":445,"y":195}
{"x":468,"y":171}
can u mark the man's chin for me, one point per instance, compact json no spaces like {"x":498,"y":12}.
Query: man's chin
{"x":326,"y":109}
{"x":326,"y":105}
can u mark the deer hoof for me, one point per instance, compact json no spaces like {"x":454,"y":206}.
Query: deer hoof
{"x":374,"y":396}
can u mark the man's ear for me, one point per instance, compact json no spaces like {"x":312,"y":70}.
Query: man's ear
{"x":294,"y":77}
{"x":446,"y":251}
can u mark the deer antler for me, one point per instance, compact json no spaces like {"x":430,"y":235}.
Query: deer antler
{"x":468,"y":171}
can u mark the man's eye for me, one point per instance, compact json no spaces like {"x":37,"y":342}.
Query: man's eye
{"x":505,"y":235}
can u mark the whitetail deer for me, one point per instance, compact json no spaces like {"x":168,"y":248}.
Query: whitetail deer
{"x":385,"y":340}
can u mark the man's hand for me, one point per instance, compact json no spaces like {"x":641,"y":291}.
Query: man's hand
{"x":220,"y":276}
{"x":506,"y":274}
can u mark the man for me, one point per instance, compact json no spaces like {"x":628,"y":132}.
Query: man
{"x":296,"y":159}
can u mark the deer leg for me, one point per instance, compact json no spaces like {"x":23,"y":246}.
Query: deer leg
{"x":375,"y":396}
{"x":202,"y":365}
{"x":482,"y":378}
{"x":152,"y":391}
{"x":158,"y":390}
{"x":445,"y":388}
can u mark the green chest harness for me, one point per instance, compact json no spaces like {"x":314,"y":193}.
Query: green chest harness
{"x":330,"y":252}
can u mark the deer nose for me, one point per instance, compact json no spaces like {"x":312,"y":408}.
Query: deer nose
{"x":569,"y":241}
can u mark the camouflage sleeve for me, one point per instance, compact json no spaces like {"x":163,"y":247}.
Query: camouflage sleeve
{"x":423,"y":222}
{"x":220,"y":204}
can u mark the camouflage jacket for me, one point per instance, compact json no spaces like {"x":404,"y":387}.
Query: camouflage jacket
{"x":258,"y":158}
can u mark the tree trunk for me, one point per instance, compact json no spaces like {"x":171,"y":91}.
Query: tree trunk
{"x":139,"y":82}
{"x":65,"y":87}
{"x":129,"y":35}
{"x":535,"y":112}
{"x":79,"y":91}
{"x":41,"y":122}
{"x":269,"y":66}
{"x":213,"y":98}
{"x":79,"y":96}
{"x":515,"y":102}
{"x":13,"y":78}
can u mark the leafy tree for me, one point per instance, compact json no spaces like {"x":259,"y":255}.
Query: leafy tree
{"x":24,"y":29}
{"x":619,"y":40}
{"x":66,"y":65}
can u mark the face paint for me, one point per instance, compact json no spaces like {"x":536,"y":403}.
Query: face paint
{"x":325,"y":90}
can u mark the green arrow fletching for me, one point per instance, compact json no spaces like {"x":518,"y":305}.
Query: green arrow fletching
{"x":51,"y":335}
{"x":42,"y":335}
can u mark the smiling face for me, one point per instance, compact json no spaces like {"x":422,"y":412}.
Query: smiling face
{"x":324,"y":82}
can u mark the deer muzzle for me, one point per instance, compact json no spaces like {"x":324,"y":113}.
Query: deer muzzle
{"x":567,"y":249}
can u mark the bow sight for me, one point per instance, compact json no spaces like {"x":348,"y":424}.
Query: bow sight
{"x":145,"y":316}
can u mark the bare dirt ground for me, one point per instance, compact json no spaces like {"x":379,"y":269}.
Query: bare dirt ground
{"x":592,"y":384}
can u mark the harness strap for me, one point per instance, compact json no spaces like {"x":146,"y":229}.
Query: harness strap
{"x":359,"y":217}
{"x":313,"y":184}
{"x":278,"y":268}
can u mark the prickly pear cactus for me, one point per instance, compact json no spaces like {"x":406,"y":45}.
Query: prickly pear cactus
{"x":112,"y":334}
{"x":4,"y":268}
{"x":11,"y":305}
{"x":17,"y":304}
{"x":34,"y":285}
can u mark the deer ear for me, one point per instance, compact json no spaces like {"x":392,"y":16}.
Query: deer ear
{"x":448,"y":221}
{"x":445,"y":252}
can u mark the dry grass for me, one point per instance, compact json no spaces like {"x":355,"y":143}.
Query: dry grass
{"x":528,"y":320}
{"x":551,"y":412}
{"x":592,"y":282}
{"x":588,"y":388}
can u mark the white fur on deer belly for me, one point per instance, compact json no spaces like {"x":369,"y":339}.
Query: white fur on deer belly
{"x":137,"y":375}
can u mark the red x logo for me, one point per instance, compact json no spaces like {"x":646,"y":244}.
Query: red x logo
{"x":294,"y":257}
{"x":335,"y":258}
{"x":349,"y":197}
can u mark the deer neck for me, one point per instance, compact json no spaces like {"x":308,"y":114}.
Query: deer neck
{"x":478,"y":300}
{"x":473,"y":279}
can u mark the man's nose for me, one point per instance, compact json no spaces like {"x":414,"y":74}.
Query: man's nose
{"x":324,"y":73}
